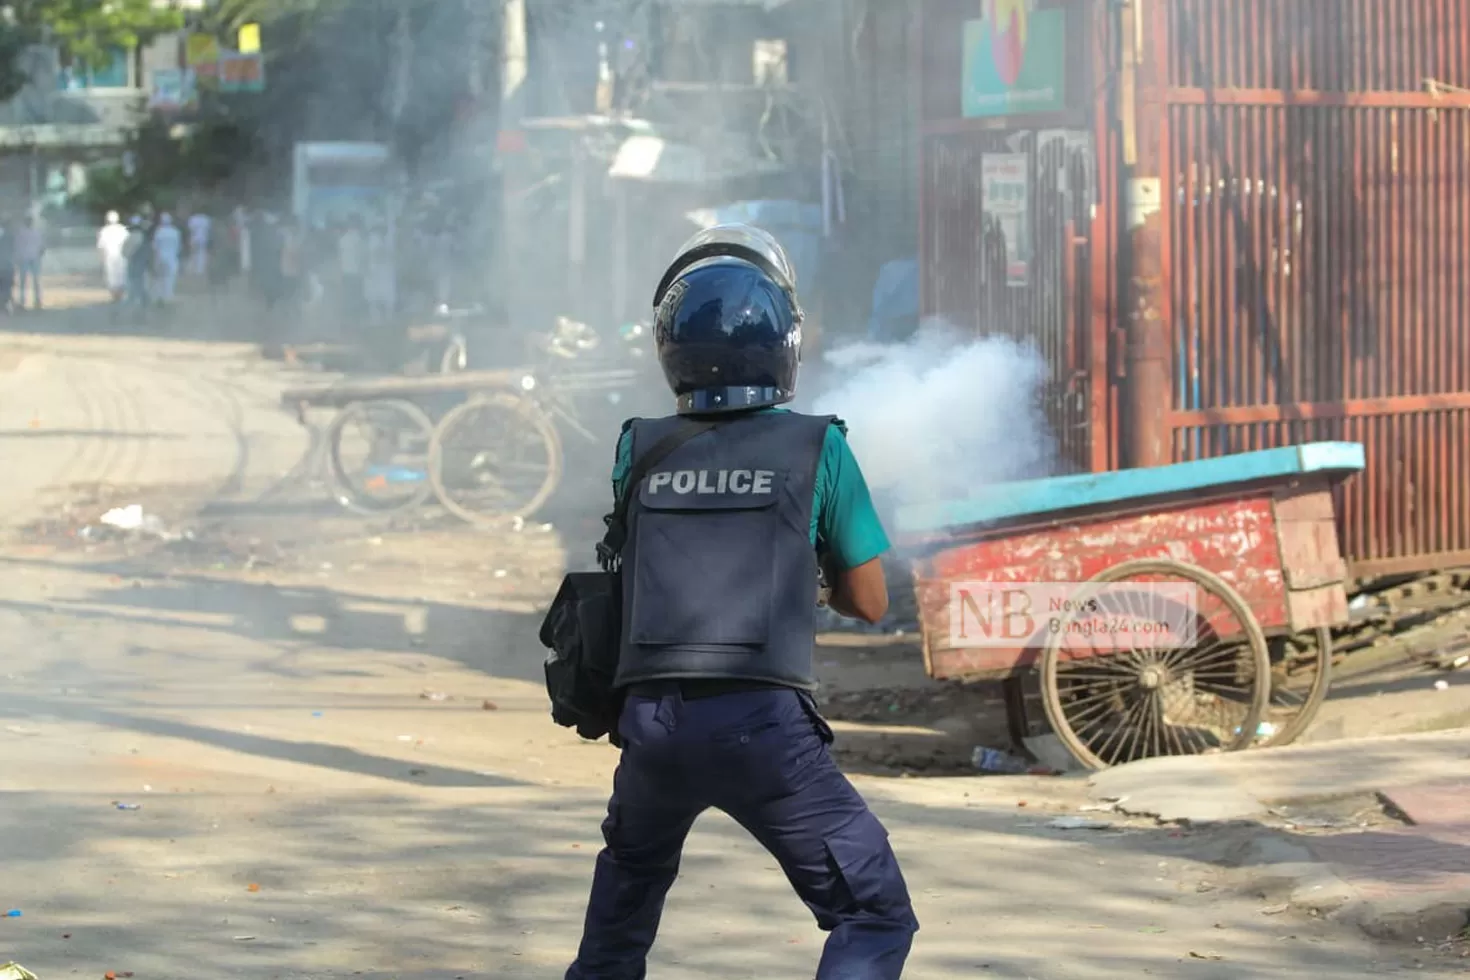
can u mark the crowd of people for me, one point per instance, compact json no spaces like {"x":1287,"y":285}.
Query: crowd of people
{"x":350,"y":270}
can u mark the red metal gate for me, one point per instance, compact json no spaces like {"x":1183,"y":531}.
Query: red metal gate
{"x":1317,"y":250}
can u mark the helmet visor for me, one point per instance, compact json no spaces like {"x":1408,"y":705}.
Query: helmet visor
{"x":745,"y":242}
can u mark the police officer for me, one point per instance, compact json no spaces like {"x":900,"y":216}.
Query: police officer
{"x":720,"y":580}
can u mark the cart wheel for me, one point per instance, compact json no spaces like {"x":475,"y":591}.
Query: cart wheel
{"x":1300,"y":676}
{"x":379,"y":453}
{"x":1115,"y":697}
{"x":456,"y":356}
{"x":495,"y":457}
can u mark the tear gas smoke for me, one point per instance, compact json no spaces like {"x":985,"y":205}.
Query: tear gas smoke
{"x":942,"y":414}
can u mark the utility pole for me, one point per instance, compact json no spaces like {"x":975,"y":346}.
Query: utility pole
{"x":513,"y":63}
{"x":1149,"y":388}
{"x":509,"y":139}
{"x":400,"y":80}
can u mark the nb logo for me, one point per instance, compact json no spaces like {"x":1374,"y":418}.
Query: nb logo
{"x":712,"y":481}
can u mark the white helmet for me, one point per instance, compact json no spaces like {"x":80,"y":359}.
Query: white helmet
{"x":112,"y":217}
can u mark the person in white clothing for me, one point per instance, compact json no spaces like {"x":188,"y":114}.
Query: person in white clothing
{"x":167,"y":246}
{"x":241,"y":220}
{"x":199,"y":228}
{"x":110,"y":243}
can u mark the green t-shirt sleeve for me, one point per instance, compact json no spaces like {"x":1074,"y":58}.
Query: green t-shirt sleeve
{"x":622,"y":463}
{"x":848,"y":526}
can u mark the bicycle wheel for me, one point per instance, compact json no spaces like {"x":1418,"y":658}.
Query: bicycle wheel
{"x":379,"y":454}
{"x":494,"y":458}
{"x":1200,"y":685}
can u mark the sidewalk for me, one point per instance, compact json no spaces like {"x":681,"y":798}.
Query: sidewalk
{"x":1408,"y":879}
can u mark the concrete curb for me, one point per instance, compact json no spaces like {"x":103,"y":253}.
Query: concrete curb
{"x":1280,"y":868}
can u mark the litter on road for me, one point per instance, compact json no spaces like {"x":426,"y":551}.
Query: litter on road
{"x":1077,"y":823}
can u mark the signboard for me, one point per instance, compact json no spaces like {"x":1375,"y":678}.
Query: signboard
{"x":248,"y":40}
{"x":172,"y":89}
{"x":201,"y":55}
{"x":1005,"y":197}
{"x":241,"y":72}
{"x":1015,"y":60}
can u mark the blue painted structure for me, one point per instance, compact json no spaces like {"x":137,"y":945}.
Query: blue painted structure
{"x":1031,"y":498}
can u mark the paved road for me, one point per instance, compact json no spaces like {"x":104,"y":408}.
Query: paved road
{"x":343,"y":764}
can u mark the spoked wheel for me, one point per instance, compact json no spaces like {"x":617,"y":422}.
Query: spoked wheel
{"x":1131,"y":671}
{"x":1301,"y":671}
{"x":379,"y":452}
{"x":456,"y":356}
{"x":495,"y":458}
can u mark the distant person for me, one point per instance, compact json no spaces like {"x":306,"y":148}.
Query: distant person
{"x":7,"y":266}
{"x":110,"y":244}
{"x":240,"y":234}
{"x":138,"y":254}
{"x":30,"y":248}
{"x":224,"y":261}
{"x":266,"y":246}
{"x":352,"y":264}
{"x":292,"y":260}
{"x":199,"y":226}
{"x":380,"y":278}
{"x":317,"y":245}
{"x":168,"y":246}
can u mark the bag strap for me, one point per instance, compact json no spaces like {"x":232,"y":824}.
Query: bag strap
{"x":610,"y":549}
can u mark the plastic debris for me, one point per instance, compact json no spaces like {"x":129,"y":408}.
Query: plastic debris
{"x":1077,"y":823}
{"x":1106,"y":806}
{"x":129,"y":518}
{"x":127,"y":806}
{"x":133,"y":518}
{"x":434,"y":696}
{"x":998,"y":762}
{"x":13,"y":914}
{"x":1441,"y":685}
{"x":14,"y":971}
{"x":252,"y":887}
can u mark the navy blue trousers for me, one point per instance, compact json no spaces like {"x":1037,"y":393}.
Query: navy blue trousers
{"x":762,"y":758}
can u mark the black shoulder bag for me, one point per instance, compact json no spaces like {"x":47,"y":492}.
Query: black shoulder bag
{"x":583,"y":628}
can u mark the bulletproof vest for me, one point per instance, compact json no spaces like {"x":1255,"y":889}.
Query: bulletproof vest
{"x":719,"y":574}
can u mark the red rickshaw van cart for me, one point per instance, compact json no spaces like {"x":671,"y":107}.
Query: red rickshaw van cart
{"x":1246,"y":661}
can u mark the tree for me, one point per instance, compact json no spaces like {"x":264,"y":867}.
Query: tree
{"x":86,"y":32}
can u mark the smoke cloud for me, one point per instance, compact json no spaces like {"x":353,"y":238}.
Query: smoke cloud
{"x":941,"y":415}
